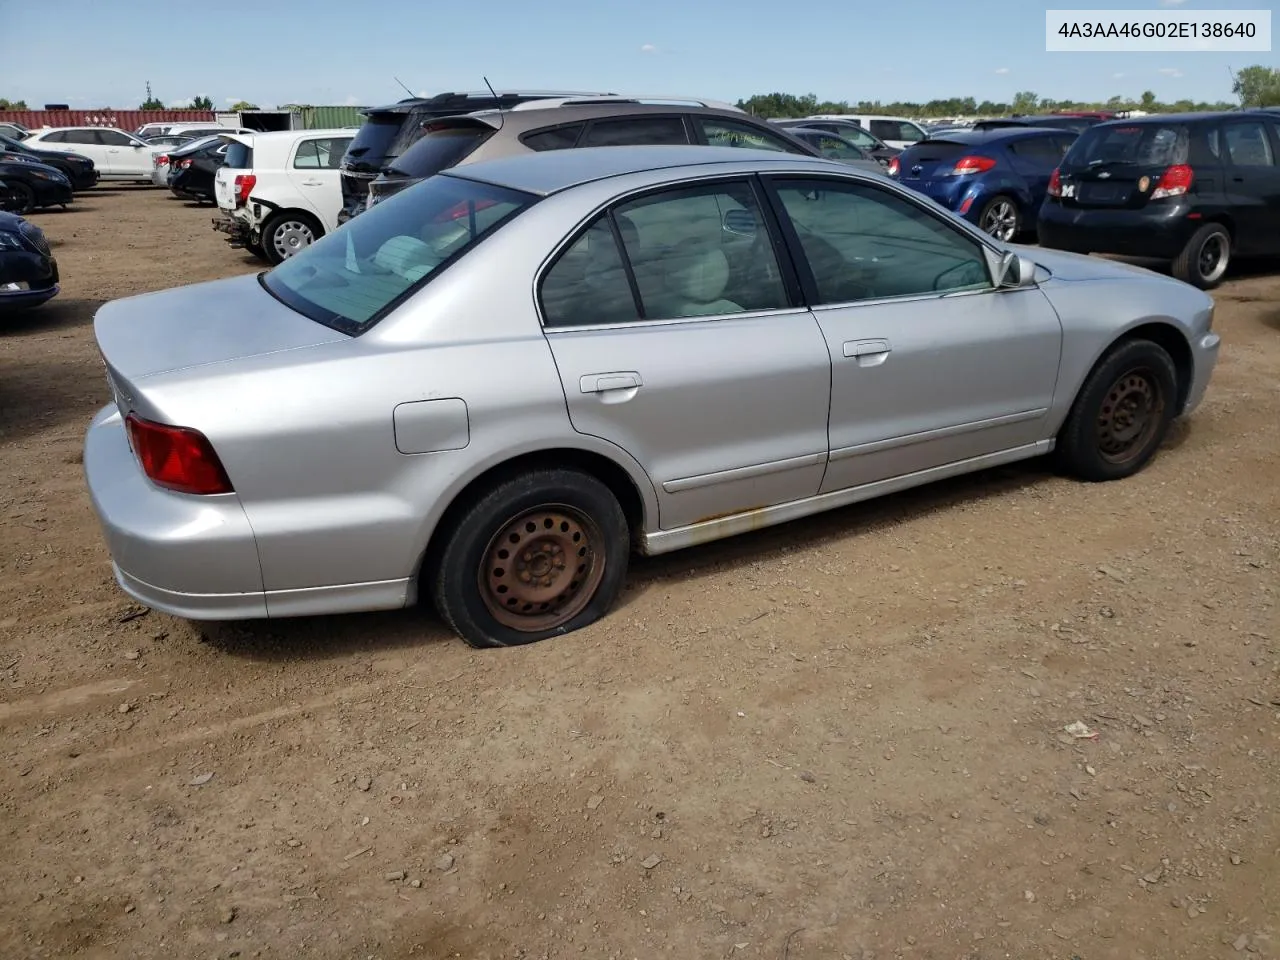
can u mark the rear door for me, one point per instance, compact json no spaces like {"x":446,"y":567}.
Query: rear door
{"x":689,"y":353}
{"x":1252,"y":183}
{"x":315,"y":170}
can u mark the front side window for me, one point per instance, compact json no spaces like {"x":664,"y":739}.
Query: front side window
{"x":1248,"y":144}
{"x":636,"y":130}
{"x":113,"y":138}
{"x":689,"y":252}
{"x":863,"y":242}
{"x":729,"y":133}
{"x":350,"y":278}
{"x":324,"y":153}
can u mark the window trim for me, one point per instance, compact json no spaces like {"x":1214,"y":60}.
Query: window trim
{"x":786,"y":266}
{"x":809,"y":284}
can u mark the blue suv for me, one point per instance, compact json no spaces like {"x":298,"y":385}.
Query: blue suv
{"x":995,"y":178}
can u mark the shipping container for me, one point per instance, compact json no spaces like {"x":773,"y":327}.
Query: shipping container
{"x":264,"y":121}
{"x":332,"y":118}
{"x":129,"y":120}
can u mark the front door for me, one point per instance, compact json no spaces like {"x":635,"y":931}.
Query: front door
{"x":677,"y":339}
{"x":313,"y":170}
{"x":1252,"y":184}
{"x":930,"y":363}
{"x":126,"y":156}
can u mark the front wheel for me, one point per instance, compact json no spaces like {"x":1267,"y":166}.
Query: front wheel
{"x":1204,"y":260}
{"x":1000,"y":218}
{"x":22,"y":199}
{"x":539,"y":555}
{"x":1122,"y":413}
{"x":287,"y":233}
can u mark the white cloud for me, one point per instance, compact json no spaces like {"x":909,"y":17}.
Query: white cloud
{"x":1002,"y":70}
{"x":648,"y":48}
{"x":1117,"y":76}
{"x":1172,"y":3}
{"x":1170,"y":71}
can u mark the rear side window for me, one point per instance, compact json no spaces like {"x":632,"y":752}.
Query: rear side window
{"x":239,"y":156}
{"x":1039,"y":150}
{"x":323,"y":153}
{"x":113,"y":139}
{"x":556,"y":138}
{"x":1248,"y":144}
{"x":636,"y":130}
{"x":441,"y":148}
{"x":1144,"y":145}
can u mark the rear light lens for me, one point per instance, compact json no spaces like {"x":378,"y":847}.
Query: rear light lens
{"x":972,"y":165}
{"x":177,"y":458}
{"x":244,"y":184}
{"x":1055,"y":183}
{"x":183,"y":164}
{"x":162,"y":160}
{"x":462,"y":209}
{"x":1175,"y":182}
{"x":893,"y":166}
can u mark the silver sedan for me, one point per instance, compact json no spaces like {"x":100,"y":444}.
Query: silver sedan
{"x":491,"y":389}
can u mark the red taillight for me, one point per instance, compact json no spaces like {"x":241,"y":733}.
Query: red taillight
{"x":162,"y":160}
{"x":1055,"y":183}
{"x":178,"y":458}
{"x":244,"y":183}
{"x":972,"y":165}
{"x":893,"y":166}
{"x":461,"y":209}
{"x":1176,"y":181}
{"x":183,"y":164}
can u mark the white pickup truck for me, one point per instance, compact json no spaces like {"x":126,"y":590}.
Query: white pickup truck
{"x":280,"y":192}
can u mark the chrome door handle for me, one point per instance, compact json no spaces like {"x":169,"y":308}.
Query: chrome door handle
{"x":313,"y":183}
{"x":602,"y":382}
{"x":866,"y":348}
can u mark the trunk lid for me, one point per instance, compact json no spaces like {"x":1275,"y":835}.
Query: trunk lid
{"x":1119,"y":166}
{"x":930,"y":160}
{"x":238,"y":160}
{"x":191,"y":326}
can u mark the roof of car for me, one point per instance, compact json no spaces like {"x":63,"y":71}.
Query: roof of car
{"x":283,"y":136}
{"x":990,"y":134}
{"x":551,"y":171}
{"x":530,"y":116}
{"x":1189,"y":117}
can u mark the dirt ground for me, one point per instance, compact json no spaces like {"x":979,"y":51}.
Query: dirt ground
{"x":843,"y":738}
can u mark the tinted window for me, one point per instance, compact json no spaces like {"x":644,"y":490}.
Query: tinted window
{"x":557,"y":138}
{"x":324,"y":153}
{"x":239,"y":156}
{"x":349,"y":277}
{"x":80,"y":136}
{"x":1042,"y":151}
{"x":692,"y":252}
{"x":1247,"y":143}
{"x":635,"y":130}
{"x":440,"y":149}
{"x":862,"y":243}
{"x":1145,"y":144}
{"x":895,"y":130}
{"x":729,"y":133}
{"x":113,"y":138}
{"x":834,"y":148}
{"x":372,"y":140}
{"x":58,"y":137}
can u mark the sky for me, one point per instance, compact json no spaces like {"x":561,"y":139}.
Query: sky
{"x":271,"y":52}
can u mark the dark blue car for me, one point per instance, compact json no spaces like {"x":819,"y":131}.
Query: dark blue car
{"x":994,"y":178}
{"x":28,"y":271}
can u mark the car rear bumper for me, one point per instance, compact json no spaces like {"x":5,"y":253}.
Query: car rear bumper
{"x":192,"y":556}
{"x":237,"y":231}
{"x":1160,"y":232}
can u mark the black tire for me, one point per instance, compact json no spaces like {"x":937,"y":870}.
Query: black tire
{"x":277,"y":231}
{"x":23,"y":200}
{"x":1001,"y":203}
{"x":257,"y":250}
{"x":470,"y":578}
{"x":1121,"y":414}
{"x":1204,"y":260}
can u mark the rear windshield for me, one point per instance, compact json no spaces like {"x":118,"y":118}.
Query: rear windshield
{"x":239,"y":156}
{"x":1139,"y":144}
{"x":374,"y":137}
{"x":352,"y":277}
{"x":439,"y":149}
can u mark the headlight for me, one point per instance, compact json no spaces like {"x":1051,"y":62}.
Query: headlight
{"x":55,"y":177}
{"x":11,"y":241}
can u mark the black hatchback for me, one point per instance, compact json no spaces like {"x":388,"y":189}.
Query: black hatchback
{"x":1195,"y":189}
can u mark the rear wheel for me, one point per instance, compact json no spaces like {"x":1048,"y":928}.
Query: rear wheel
{"x":1000,"y":218}
{"x":287,"y":233}
{"x":1122,"y":413}
{"x":22,"y":198}
{"x":1204,"y":260}
{"x":539,"y":555}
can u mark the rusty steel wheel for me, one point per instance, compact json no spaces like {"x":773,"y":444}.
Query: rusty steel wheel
{"x":542,"y":568}
{"x":1131,"y":414}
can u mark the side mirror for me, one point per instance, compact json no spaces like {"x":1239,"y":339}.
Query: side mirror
{"x":739,"y":223}
{"x":1014,"y":271}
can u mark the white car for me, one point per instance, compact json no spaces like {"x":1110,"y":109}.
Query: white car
{"x":116,"y":154}
{"x":280,"y":192}
{"x":897,"y":132}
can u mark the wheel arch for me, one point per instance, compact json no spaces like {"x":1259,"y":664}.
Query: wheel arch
{"x":613,"y":475}
{"x":1164,"y":334}
{"x":278,"y":212}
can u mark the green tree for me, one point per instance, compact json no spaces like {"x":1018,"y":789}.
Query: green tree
{"x":244,"y":105}
{"x":152,"y":103}
{"x":12,"y":104}
{"x":1148,"y":101}
{"x":1257,"y":86}
{"x":201,"y":103}
{"x":1024,"y":101}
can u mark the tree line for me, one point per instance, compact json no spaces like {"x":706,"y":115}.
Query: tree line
{"x":1255,"y":86}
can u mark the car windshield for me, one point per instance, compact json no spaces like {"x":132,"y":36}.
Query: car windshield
{"x":9,"y":143}
{"x":833,"y":147}
{"x":1139,"y":145}
{"x":351,"y":278}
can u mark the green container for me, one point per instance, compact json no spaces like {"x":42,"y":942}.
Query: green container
{"x":328,"y":118}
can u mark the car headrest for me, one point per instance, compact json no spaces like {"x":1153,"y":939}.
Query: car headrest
{"x":700,"y":274}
